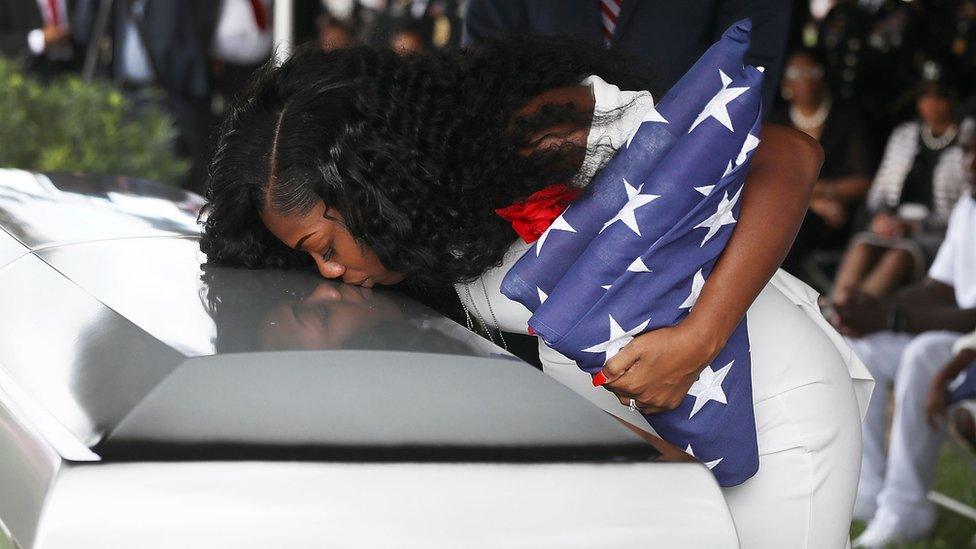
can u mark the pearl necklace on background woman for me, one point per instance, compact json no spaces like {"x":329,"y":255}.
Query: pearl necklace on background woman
{"x":810,"y":122}
{"x":938,"y":143}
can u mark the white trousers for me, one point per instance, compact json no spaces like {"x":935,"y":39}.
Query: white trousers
{"x":900,"y":480}
{"x":809,"y":390}
{"x":807,"y":425}
{"x":803,"y":496}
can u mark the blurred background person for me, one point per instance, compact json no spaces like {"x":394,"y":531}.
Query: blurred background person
{"x":409,"y":36}
{"x":668,"y":36}
{"x":849,"y":158}
{"x":157,"y":51}
{"x":919,"y":181}
{"x":305,"y":20}
{"x":334,"y":33}
{"x":906,"y":340}
{"x":39,"y":32}
{"x":240,"y":42}
{"x":437,"y":22}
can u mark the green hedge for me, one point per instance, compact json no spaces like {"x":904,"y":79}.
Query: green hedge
{"x":70,"y":125}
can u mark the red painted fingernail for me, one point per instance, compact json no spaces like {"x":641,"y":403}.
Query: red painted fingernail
{"x":530,"y":330}
{"x":599,"y":379}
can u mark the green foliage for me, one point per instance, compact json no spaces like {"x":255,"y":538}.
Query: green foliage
{"x":956,"y":478}
{"x":70,"y":125}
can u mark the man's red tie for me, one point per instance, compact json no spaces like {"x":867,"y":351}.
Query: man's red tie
{"x":609,"y":10}
{"x":55,"y":16}
{"x":260,"y":14}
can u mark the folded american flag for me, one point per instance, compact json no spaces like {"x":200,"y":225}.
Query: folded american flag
{"x":632,"y":253}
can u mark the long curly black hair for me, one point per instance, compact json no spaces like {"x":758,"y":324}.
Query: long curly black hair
{"x":415,"y":152}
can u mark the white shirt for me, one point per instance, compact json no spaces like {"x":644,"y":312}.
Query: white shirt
{"x":955,"y":264}
{"x":238,"y":39}
{"x":35,"y":38}
{"x":608,"y":134}
{"x":967,"y":341}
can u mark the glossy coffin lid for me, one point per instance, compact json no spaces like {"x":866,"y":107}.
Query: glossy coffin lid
{"x":49,"y":209}
{"x":115,"y":329}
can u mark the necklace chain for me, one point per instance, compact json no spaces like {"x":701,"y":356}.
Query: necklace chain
{"x":477,"y":315}
{"x":813,"y":121}
{"x":493,"y":318}
{"x":938,"y":143}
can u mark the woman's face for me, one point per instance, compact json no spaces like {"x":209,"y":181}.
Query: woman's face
{"x":327,"y":319}
{"x":322,"y":233}
{"x":934,"y":108}
{"x":803,"y":80}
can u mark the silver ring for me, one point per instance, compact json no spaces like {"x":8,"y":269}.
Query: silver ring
{"x":633,"y":405}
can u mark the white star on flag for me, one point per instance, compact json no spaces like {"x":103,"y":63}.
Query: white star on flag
{"x":650,"y":115}
{"x":717,"y":108}
{"x":560,"y":224}
{"x":696,"y":287}
{"x":728,"y":169}
{"x":709,"y":464}
{"x":618,"y":338}
{"x":751,"y":143}
{"x":634,"y":200}
{"x":607,"y":287}
{"x":542,"y":295}
{"x":705,"y":190}
{"x":708,"y":387}
{"x":722,"y":216}
{"x":638,"y":266}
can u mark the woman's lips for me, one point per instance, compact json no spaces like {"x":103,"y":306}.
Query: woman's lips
{"x":366,"y":282}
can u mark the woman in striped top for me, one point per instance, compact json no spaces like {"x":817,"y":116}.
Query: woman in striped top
{"x":920,"y":178}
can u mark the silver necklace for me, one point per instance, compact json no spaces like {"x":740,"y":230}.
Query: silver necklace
{"x":938,"y":143}
{"x":812,"y":121}
{"x":477,"y":315}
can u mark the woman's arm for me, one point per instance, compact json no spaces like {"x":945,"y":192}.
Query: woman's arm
{"x":657,"y":368}
{"x":937,"y":398}
{"x":669,"y":452}
{"x":847,"y":189}
{"x":777,"y":191}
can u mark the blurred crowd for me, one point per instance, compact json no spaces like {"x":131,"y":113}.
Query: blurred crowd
{"x":888,"y":87}
{"x":191,"y":57}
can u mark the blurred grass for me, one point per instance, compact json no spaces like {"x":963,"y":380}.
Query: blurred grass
{"x":955,"y":477}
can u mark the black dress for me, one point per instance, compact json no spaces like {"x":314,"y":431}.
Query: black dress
{"x":849,"y":149}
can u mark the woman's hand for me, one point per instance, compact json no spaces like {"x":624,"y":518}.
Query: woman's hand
{"x":860,"y":314}
{"x":658,"y":368}
{"x":885,"y":224}
{"x":832,"y":211}
{"x":937,"y":399}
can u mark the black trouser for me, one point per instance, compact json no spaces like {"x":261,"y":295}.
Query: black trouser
{"x":193,"y":124}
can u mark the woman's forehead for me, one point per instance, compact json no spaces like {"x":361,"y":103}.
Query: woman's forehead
{"x":292,"y":226}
